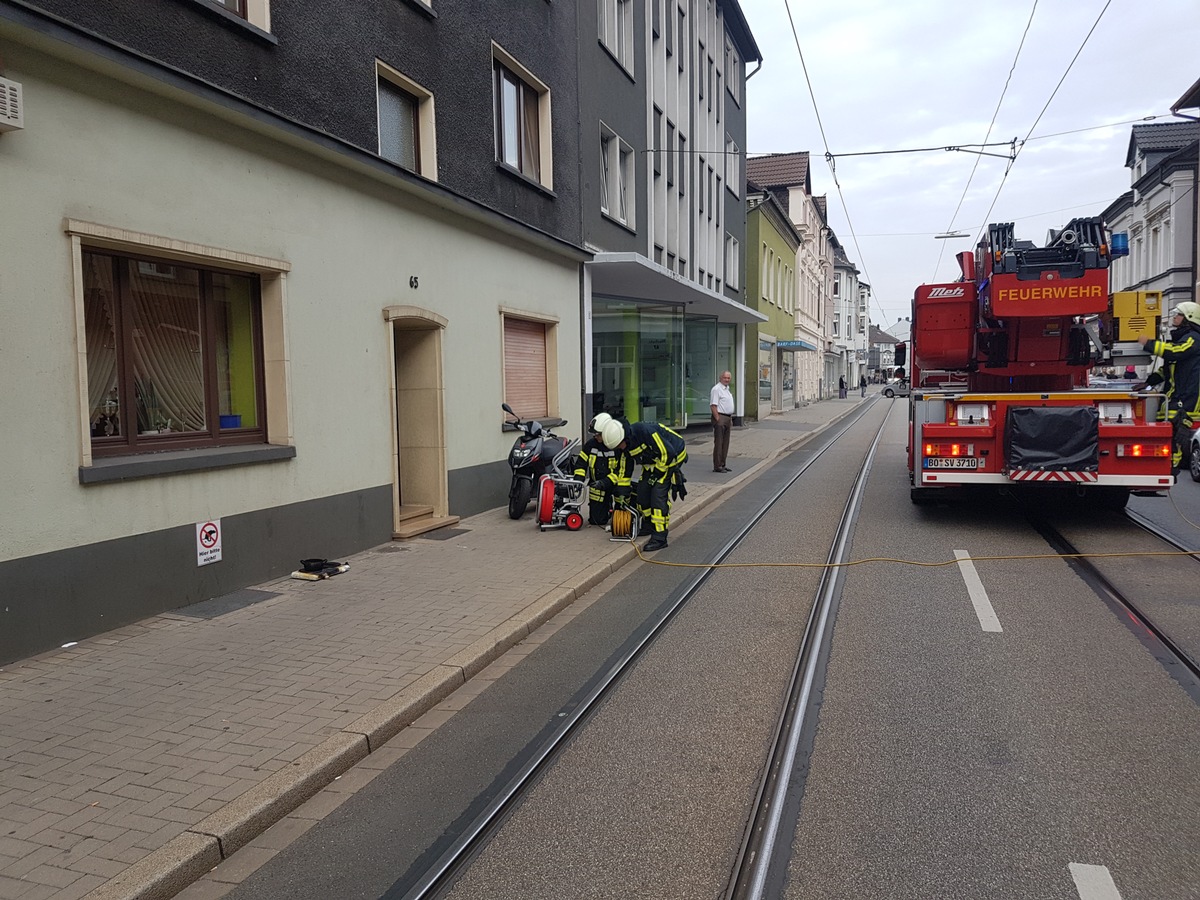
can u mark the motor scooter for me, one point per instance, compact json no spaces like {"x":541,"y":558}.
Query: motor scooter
{"x":537,"y":451}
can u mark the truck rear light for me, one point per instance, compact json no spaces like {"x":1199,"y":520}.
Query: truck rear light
{"x":949,"y":449}
{"x":1149,"y":451}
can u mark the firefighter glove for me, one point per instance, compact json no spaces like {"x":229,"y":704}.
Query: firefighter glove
{"x":678,"y":481}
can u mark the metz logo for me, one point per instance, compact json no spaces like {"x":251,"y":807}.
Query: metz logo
{"x":940,"y":293}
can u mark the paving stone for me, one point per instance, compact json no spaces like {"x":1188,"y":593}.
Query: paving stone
{"x":134,"y":736}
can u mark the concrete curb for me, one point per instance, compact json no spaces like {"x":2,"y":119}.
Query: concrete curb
{"x":168,"y":870}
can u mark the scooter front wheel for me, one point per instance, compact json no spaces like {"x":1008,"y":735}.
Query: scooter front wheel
{"x":518,"y":498}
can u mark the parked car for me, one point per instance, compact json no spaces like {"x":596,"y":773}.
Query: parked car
{"x":899,"y":388}
{"x":1194,"y":462}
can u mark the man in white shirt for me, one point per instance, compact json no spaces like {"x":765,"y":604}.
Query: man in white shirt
{"x":720,"y":401}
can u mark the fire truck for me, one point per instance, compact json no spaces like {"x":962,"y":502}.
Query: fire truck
{"x":1001,"y":365}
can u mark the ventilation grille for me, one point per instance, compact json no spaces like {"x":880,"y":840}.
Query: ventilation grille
{"x":11,"y":107}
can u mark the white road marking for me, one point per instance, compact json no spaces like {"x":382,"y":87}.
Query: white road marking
{"x":979,"y":597}
{"x":1094,"y":882}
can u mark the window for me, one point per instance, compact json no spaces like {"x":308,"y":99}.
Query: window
{"x":522,"y":119}
{"x":681,"y":181}
{"x":732,"y":261}
{"x":405,"y":116}
{"x":255,"y":12}
{"x":670,"y":153}
{"x":616,"y":177}
{"x":733,"y":167}
{"x":616,"y":30}
{"x":174,"y":355}
{"x":399,"y":130}
{"x":733,"y":72}
{"x":657,"y":140}
{"x":527,"y":352}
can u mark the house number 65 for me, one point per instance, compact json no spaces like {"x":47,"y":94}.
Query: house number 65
{"x":412,"y":282}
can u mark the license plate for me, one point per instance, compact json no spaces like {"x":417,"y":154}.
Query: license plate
{"x":952,"y":462}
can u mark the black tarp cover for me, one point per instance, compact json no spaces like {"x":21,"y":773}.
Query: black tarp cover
{"x":1053,"y":438}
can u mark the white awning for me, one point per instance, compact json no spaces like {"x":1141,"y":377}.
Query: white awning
{"x":631,"y":276}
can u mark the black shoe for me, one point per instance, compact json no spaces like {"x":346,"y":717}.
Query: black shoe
{"x":716,"y":469}
{"x":726,"y":469}
{"x":658,"y":542}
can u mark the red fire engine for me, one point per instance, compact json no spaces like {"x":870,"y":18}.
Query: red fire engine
{"x":1000,"y":367}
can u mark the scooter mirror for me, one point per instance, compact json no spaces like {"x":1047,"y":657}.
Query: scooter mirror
{"x":507,"y":409}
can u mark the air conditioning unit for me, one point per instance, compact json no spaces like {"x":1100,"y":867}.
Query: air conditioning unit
{"x":12,"y":117}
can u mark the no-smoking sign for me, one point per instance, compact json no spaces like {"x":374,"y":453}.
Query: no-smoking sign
{"x":208,"y":542}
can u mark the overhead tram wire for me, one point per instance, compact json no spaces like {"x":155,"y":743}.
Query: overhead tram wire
{"x":829,"y":158}
{"x":1049,"y":100}
{"x":991,"y":125}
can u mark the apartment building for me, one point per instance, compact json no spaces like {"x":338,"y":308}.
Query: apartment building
{"x":272,"y":268}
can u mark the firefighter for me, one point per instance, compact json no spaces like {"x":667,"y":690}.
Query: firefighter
{"x":1179,"y":377}
{"x":662,"y":454}
{"x":609,"y":473}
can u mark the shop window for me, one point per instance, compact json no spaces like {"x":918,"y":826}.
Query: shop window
{"x":174,"y":355}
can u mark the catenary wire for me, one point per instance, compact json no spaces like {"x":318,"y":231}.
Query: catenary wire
{"x":862,"y":260}
{"x":991,"y":125}
{"x":1049,"y":100}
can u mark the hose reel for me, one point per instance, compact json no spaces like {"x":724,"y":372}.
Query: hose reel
{"x":624,"y":525}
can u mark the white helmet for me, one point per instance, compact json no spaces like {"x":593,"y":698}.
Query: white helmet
{"x":613,"y":434}
{"x":1190,"y":311}
{"x":597,"y":424}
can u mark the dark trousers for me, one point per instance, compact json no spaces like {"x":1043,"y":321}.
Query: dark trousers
{"x":721,"y":428}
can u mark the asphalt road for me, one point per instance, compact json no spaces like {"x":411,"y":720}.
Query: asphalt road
{"x":949,"y":761}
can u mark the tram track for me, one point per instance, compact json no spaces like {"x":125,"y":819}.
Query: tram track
{"x":441,"y":875}
{"x":1180,"y":657}
{"x":761,"y":866}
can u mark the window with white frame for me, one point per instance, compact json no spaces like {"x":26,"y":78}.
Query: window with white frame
{"x":733,"y":261}
{"x":616,"y":177}
{"x":616,"y":30}
{"x":405,"y":116}
{"x":733,"y":72}
{"x":733,"y":167}
{"x":522,"y":114}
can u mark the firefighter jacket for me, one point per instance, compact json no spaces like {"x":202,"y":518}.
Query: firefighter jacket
{"x":606,"y":471}
{"x":659,"y":449}
{"x":1180,"y":374}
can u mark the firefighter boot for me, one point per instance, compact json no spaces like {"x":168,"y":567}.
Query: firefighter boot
{"x":658,"y":542}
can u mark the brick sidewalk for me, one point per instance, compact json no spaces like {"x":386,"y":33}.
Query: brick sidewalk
{"x":133,"y":761}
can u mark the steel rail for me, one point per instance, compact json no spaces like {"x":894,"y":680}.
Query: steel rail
{"x":438,"y":875}
{"x":759,"y":852}
{"x":1172,"y":657}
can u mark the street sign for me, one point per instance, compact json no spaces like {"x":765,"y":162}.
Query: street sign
{"x":208,"y":542}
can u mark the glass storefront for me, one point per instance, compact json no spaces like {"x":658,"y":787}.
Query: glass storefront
{"x":637,"y":360}
{"x":649,"y":364}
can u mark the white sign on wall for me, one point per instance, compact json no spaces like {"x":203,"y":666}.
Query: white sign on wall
{"x":208,"y":542}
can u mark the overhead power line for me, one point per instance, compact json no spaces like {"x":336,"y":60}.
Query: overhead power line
{"x":862,"y":261}
{"x":1049,"y":100}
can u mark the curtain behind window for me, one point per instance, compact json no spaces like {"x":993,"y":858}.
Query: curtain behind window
{"x":398,"y":126}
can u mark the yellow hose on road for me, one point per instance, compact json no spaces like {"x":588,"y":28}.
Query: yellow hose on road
{"x":909,"y":562}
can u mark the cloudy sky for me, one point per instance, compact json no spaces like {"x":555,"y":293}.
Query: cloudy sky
{"x":890,"y":75}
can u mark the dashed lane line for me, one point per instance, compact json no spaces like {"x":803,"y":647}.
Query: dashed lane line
{"x":979,"y":597}
{"x":1094,"y":882}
